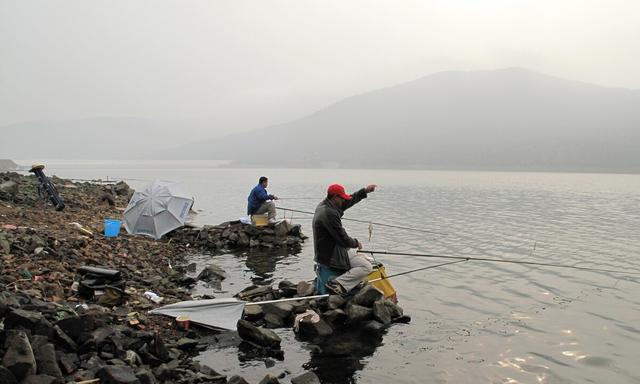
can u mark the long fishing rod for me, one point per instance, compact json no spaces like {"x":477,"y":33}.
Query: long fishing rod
{"x":470,"y":258}
{"x":416,"y":270}
{"x":371,"y":222}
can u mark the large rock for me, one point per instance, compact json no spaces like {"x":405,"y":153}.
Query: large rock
{"x":263,"y":337}
{"x":117,"y":374}
{"x":45,"y":355}
{"x":20,"y":318}
{"x":305,"y":288}
{"x":335,"y":301}
{"x":357,"y":313}
{"x":19,"y":358}
{"x":367,"y":296}
{"x":381,"y":312}
{"x":254,"y":291}
{"x":253,"y":312}
{"x":373,"y":326}
{"x":309,"y":330}
{"x":288,"y":288}
{"x":212,"y":272}
{"x":335,"y":317}
{"x":63,"y":340}
{"x":75,"y":326}
{"x":273,"y":321}
{"x":306,"y":378}
{"x":282,"y":310}
{"x":394,"y":309}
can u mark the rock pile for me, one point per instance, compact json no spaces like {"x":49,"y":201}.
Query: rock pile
{"x":234,"y":236}
{"x":313,"y":319}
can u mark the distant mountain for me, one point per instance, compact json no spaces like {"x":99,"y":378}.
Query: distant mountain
{"x":508,"y":119}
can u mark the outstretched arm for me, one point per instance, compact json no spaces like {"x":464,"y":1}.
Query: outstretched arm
{"x":359,"y":195}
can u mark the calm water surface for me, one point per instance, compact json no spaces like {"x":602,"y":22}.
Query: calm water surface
{"x":472,"y":322}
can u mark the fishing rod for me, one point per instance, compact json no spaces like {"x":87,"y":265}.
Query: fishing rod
{"x":371,"y":222}
{"x":416,"y":270}
{"x":488,"y":259}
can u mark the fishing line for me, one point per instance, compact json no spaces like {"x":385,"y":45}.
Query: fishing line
{"x":415,"y":270}
{"x":371,"y":222}
{"x":470,"y":258}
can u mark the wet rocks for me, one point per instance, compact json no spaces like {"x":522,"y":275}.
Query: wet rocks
{"x":260,"y":336}
{"x":306,"y":378}
{"x":212,"y":272}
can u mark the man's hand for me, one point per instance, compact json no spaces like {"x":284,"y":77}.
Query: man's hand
{"x":274,"y":197}
{"x":370,"y":188}
{"x":359,"y":245}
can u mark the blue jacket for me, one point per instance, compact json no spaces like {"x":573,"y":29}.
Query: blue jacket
{"x":257,"y":196}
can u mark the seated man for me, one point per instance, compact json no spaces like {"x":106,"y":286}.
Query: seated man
{"x":333,"y":248}
{"x":259,"y":201}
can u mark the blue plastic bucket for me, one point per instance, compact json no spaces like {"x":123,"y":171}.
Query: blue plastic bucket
{"x":112,"y":227}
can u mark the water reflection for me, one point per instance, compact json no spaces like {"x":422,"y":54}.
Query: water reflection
{"x":338,"y":358}
{"x":262,"y":262}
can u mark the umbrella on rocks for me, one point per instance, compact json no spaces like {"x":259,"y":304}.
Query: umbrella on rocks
{"x":158,"y":209}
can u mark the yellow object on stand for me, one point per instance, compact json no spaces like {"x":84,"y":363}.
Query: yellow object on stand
{"x":378,"y":278}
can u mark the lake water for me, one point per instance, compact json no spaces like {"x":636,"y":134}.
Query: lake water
{"x":473,"y":322}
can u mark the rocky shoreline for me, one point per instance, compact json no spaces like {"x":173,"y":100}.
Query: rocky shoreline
{"x":53,"y":333}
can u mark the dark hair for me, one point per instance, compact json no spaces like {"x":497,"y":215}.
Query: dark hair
{"x":262,"y":179}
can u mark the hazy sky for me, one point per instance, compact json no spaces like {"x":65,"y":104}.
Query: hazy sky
{"x":277,"y":60}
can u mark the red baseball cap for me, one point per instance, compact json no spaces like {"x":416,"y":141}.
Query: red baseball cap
{"x":338,"y":190}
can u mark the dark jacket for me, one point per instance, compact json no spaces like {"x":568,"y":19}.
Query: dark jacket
{"x":330,"y":240}
{"x":256,"y":198}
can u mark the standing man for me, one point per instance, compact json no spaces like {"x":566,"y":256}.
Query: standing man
{"x":259,"y":201}
{"x":333,"y":248}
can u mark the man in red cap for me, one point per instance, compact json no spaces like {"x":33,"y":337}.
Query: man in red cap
{"x":333,"y":247}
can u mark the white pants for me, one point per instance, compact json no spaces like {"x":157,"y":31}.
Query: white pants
{"x":268,"y":206}
{"x":360,"y":269}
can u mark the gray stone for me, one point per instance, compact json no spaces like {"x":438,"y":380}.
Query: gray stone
{"x":305,"y":288}
{"x":187,"y":344}
{"x":381,"y":312}
{"x":335,"y":301}
{"x":68,"y":362}
{"x":282,"y":310}
{"x":212,"y":272}
{"x":288,"y":288}
{"x":273,"y":321}
{"x":6,"y":377}
{"x":117,"y":374}
{"x":367,"y":296}
{"x":254,"y":291}
{"x":9,"y":187}
{"x":46,"y":360}
{"x":253,"y":312}
{"x":356,"y":313}
{"x":269,"y":379}
{"x":145,"y":377}
{"x":19,"y":358}
{"x":75,"y":326}
{"x":335,"y":317}
{"x":19,"y":318}
{"x":260,"y":336}
{"x":5,"y":244}
{"x":64,"y":340}
{"x":235,"y":379}
{"x":306,"y":378}
{"x":309,"y":329}
{"x":394,"y":309}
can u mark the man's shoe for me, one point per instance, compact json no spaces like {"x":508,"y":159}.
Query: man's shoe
{"x":335,"y":288}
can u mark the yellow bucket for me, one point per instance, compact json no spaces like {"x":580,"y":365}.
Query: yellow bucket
{"x":260,"y":220}
{"x":384,"y":284}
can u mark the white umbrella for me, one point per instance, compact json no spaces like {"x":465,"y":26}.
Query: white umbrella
{"x":160,"y":208}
